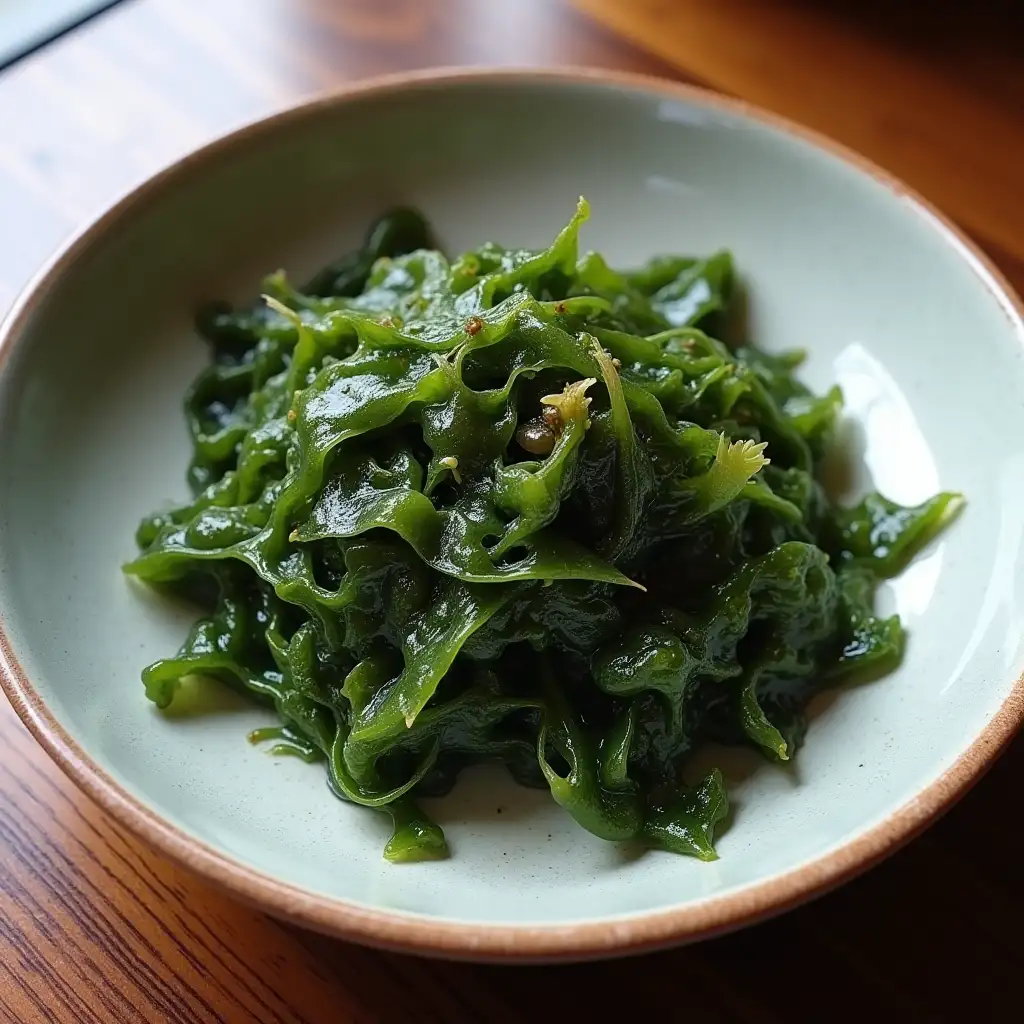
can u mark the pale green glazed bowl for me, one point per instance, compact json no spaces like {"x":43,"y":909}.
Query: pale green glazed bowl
{"x":921,"y":333}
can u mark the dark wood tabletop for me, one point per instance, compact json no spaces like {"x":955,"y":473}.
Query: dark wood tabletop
{"x":94,"y":925}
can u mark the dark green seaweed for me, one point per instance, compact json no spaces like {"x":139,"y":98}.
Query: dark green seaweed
{"x":519,"y":507}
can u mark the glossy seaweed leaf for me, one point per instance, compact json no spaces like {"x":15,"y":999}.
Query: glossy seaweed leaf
{"x":518,"y":507}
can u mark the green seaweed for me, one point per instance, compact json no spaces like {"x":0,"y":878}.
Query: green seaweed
{"x":414,"y":585}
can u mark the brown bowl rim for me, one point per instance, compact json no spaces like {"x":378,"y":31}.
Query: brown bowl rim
{"x":503,"y":942}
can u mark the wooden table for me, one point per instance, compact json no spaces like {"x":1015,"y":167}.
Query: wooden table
{"x":94,"y":926}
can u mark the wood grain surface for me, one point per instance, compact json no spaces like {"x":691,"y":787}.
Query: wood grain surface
{"x":94,"y":926}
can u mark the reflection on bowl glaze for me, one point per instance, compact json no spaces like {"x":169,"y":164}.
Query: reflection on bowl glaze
{"x":898,"y":459}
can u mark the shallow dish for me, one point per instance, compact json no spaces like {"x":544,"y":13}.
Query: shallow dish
{"x":908,"y":317}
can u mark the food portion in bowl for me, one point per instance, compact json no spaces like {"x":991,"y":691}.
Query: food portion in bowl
{"x":520,"y":507}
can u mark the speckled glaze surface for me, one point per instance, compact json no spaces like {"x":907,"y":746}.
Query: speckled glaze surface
{"x":925,"y":339}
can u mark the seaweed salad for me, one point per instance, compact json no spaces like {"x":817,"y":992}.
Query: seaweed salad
{"x":519,"y":507}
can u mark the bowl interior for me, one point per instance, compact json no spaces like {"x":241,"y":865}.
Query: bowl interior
{"x":886,"y":301}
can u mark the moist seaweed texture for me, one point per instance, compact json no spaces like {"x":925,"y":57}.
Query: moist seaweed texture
{"x":519,"y":507}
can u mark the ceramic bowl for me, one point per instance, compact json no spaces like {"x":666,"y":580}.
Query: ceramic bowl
{"x":920,"y":331}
